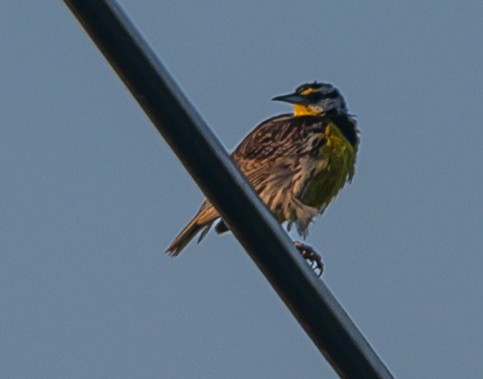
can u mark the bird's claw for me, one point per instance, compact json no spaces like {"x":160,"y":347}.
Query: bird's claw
{"x":310,"y":255}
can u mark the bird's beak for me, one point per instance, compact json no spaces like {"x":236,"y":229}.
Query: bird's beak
{"x":292,"y":98}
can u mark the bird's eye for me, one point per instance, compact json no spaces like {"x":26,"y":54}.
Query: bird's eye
{"x":314,"y":97}
{"x":332,"y":95}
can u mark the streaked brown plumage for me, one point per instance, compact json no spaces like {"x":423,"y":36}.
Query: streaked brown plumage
{"x":297,"y":163}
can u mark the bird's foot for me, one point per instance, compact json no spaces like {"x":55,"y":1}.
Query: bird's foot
{"x":310,"y":255}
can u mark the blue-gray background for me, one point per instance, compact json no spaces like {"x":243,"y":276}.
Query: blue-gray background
{"x":90,"y":195}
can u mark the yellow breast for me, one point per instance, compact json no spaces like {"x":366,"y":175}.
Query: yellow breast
{"x":337,"y":161}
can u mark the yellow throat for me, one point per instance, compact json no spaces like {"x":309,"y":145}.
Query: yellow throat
{"x":303,"y":110}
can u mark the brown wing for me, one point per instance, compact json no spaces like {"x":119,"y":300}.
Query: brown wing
{"x":282,"y":135}
{"x":265,"y":151}
{"x":269,"y":156}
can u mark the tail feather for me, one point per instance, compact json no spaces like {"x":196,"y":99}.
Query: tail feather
{"x":201,"y":222}
{"x":184,"y":237}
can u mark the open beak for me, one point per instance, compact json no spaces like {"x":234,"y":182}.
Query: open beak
{"x":292,"y":98}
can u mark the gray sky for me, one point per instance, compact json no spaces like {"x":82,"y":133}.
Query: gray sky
{"x":91,"y":195}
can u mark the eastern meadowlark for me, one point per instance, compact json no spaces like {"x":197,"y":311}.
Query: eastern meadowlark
{"x":296,"y":162}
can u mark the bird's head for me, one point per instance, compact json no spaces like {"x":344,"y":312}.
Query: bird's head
{"x":315,"y":99}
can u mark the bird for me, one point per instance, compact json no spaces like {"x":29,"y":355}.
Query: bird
{"x":296,"y":162}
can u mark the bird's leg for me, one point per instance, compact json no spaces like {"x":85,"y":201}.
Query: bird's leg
{"x":309,"y":254}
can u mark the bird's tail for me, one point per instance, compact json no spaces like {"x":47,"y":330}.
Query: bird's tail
{"x":202,"y":221}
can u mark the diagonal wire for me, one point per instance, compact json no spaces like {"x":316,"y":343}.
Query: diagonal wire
{"x":308,"y":298}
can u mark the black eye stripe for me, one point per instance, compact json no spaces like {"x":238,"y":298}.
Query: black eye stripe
{"x":314,"y":96}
